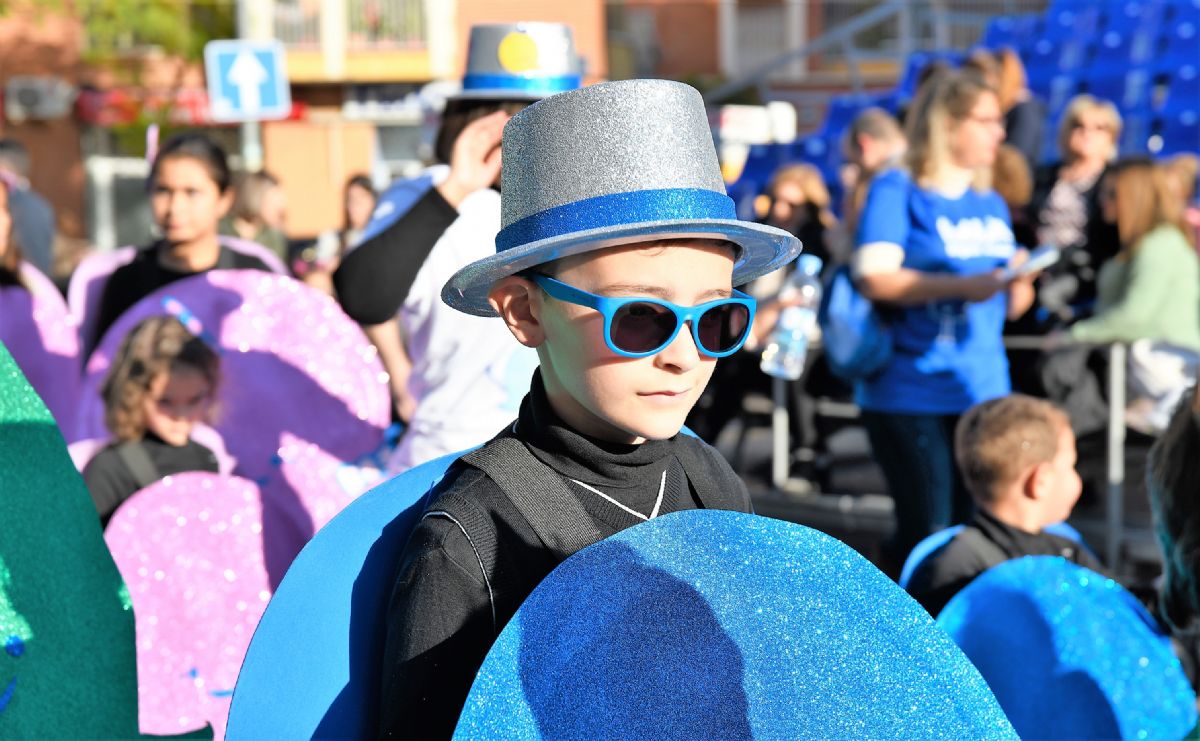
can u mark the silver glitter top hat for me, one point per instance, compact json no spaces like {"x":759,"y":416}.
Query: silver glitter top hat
{"x":612,"y":164}
{"x":520,"y":61}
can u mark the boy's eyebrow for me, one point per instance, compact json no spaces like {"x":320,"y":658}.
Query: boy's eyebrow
{"x":637,"y":289}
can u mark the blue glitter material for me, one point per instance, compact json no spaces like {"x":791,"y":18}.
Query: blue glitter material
{"x":545,"y":85}
{"x":617,"y":209}
{"x":1091,"y":662}
{"x":14,"y":647}
{"x":7,"y":696}
{"x":707,"y":624}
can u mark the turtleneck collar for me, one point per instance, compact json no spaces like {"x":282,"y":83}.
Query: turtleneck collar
{"x":578,"y":456}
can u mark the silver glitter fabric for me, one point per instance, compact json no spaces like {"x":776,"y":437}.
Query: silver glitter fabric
{"x":536,"y":50}
{"x":614,"y":137}
{"x":598,"y":151}
{"x":1070,"y":653}
{"x":708,"y":624}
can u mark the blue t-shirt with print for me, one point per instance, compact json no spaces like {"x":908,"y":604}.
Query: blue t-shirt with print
{"x":948,"y":355}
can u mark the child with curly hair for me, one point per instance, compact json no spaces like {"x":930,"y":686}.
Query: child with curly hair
{"x":161,"y":383}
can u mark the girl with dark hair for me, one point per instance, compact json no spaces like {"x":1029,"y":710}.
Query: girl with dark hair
{"x":189,"y":190}
{"x":315,"y":265}
{"x":1172,"y":481}
{"x":161,"y":383}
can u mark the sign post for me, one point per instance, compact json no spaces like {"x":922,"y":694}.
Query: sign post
{"x":247,"y":83}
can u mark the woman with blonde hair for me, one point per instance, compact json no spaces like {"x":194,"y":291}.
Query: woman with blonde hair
{"x":798,"y":201}
{"x":933,"y":242}
{"x":1065,"y":207}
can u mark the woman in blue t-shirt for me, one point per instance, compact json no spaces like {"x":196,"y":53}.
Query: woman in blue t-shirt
{"x":932,"y":244}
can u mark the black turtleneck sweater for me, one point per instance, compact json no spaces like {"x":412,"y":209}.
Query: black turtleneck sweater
{"x":952,"y":567}
{"x":440,"y":619}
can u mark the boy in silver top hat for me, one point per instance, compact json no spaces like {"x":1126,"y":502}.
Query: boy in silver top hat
{"x":617,"y":263}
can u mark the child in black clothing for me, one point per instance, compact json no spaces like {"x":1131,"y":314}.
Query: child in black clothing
{"x":162,"y":382}
{"x":617,"y":262}
{"x":1017,"y":455}
{"x":189,"y":187}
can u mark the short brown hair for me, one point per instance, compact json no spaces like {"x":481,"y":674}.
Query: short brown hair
{"x":10,"y":259}
{"x":998,"y":440}
{"x":152,"y":348}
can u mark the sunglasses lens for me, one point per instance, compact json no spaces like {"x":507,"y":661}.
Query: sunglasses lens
{"x":641,"y":326}
{"x":722,"y":327}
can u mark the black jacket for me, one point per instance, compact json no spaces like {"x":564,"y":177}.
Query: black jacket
{"x":953,"y":566}
{"x":440,"y":619}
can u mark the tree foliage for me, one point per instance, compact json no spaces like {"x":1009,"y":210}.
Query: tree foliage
{"x":116,"y":28}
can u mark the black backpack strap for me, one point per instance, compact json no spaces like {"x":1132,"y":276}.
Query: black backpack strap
{"x":539,"y":493}
{"x":475,"y":524}
{"x":979,"y":544}
{"x":137,"y":460}
{"x":715,"y":482}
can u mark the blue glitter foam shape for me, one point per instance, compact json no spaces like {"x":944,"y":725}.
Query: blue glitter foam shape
{"x":315,"y":664}
{"x":708,"y":624}
{"x":1070,"y":653}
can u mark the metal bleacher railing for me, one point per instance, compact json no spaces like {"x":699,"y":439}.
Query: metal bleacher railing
{"x":1115,"y":527}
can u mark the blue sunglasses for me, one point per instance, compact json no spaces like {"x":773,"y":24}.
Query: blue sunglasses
{"x":640,"y":327}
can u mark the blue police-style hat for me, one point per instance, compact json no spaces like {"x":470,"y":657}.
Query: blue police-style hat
{"x":610,"y":164}
{"x":520,"y":61}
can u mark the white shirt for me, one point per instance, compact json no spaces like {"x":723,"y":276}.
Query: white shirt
{"x":469,"y":373}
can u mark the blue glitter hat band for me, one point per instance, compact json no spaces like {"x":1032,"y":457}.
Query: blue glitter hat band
{"x":518,"y":84}
{"x":617,"y":209}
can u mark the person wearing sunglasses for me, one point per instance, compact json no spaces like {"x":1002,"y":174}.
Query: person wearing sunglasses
{"x":616,"y":262}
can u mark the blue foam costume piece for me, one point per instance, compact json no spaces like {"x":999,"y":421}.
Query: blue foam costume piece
{"x":709,"y":624}
{"x":1070,"y":653}
{"x":931,"y":543}
{"x":313,"y":669}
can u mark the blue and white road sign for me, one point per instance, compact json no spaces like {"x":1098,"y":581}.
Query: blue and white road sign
{"x":247,"y":80}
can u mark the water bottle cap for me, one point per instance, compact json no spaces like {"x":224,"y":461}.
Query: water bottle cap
{"x":809,"y":264}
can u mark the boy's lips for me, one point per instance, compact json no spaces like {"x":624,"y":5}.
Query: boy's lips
{"x":664,"y":393}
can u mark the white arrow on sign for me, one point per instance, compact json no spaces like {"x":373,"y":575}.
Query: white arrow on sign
{"x":247,"y":74}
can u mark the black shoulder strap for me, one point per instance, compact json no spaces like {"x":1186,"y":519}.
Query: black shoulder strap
{"x":991,"y":553}
{"x":715,"y":482}
{"x":137,"y":460}
{"x":557,"y":518}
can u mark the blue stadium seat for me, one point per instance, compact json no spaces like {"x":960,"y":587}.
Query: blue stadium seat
{"x":1128,"y":88}
{"x":917,"y":61}
{"x":1182,"y":90}
{"x":1014,"y":30}
{"x":1180,"y":132}
{"x":1180,"y":41}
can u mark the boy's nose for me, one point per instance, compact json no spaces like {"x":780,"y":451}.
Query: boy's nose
{"x":682,"y":354}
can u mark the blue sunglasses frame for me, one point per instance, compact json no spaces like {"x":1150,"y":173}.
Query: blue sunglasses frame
{"x":690,"y":315}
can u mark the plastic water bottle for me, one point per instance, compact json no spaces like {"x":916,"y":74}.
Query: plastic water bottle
{"x":788,"y":346}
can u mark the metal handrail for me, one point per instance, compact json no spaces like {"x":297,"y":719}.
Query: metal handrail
{"x":843,"y":34}
{"x":1115,"y":453}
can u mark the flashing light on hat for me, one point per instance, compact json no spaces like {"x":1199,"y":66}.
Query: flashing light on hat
{"x":610,"y":164}
{"x":520,"y":61}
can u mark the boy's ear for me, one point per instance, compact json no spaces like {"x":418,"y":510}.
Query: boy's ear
{"x":1038,"y":482}
{"x":518,"y":302}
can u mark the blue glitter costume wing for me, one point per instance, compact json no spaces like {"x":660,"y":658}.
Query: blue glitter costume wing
{"x":1092,"y":662}
{"x":708,"y":624}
